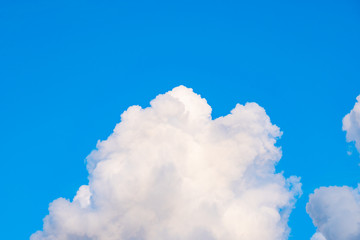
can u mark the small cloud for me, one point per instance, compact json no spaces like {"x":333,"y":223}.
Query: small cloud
{"x":335,"y":211}
{"x":351,"y":124}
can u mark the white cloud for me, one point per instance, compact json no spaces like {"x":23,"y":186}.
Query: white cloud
{"x":351,"y":124}
{"x":335,"y":211}
{"x":171,"y":172}
{"x":318,"y":236}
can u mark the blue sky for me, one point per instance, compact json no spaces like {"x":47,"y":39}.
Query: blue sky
{"x":70,"y":68}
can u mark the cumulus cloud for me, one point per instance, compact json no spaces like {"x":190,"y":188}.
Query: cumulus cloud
{"x":171,"y":172}
{"x":351,"y":124}
{"x":335,"y":211}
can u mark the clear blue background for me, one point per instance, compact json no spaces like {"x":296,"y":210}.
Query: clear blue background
{"x":68,"y":69}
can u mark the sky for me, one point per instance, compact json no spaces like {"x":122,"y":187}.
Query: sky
{"x":69,"y":69}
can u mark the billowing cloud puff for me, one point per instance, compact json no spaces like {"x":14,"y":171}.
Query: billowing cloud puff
{"x":335,"y":211}
{"x":170,"y":172}
{"x":351,"y":124}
